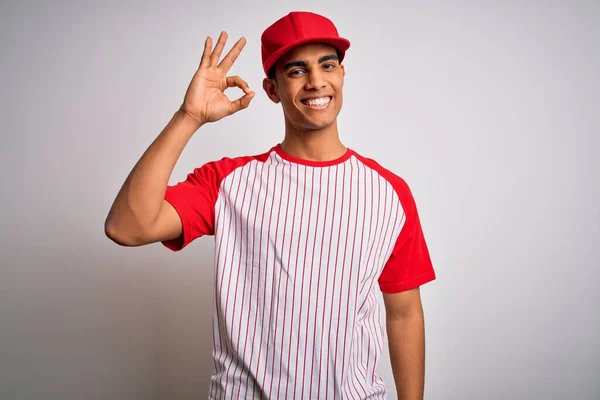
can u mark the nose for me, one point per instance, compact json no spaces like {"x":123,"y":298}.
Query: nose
{"x":316,"y":80}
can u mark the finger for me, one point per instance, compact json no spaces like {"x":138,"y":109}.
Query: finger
{"x":216,"y":54}
{"x":205,"y":61}
{"x":236,"y":81}
{"x":241,"y":103}
{"x":233,"y":54}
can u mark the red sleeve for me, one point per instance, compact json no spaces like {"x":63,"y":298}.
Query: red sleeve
{"x":410,"y":265}
{"x":194,"y":200}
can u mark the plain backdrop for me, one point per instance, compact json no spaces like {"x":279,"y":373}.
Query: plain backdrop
{"x":489,"y":110}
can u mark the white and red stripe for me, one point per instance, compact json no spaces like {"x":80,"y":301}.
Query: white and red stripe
{"x":299,"y":248}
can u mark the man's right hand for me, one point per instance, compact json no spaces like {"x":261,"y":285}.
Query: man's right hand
{"x":140,"y":214}
{"x":205,"y":100}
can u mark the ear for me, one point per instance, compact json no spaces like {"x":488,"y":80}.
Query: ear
{"x":343,"y":70}
{"x":270,"y":88}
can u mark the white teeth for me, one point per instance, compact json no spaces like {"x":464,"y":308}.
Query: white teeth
{"x":318,"y":102}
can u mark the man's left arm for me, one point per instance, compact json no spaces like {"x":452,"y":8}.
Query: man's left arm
{"x":406,"y":336}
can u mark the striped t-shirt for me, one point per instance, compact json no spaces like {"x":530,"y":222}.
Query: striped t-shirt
{"x":299,"y":248}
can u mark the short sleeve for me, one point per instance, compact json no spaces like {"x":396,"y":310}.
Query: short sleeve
{"x":194,"y":200}
{"x":409,"y":265}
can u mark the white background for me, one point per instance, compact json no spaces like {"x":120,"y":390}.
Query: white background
{"x":489,"y":110}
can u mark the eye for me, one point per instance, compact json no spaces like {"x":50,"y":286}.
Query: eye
{"x":329,"y":66}
{"x":296,"y":72}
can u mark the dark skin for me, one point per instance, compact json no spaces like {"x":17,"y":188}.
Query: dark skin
{"x":306,"y":72}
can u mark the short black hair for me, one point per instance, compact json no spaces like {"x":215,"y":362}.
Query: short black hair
{"x":271,"y":74}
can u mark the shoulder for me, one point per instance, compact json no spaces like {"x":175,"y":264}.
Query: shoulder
{"x":218,"y":169}
{"x":396,"y":181}
{"x":236,"y":161}
{"x":210,"y":175}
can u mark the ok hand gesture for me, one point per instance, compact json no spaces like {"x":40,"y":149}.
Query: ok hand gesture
{"x":205,"y":100}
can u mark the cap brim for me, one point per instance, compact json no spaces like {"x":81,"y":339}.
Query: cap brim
{"x":339,"y":43}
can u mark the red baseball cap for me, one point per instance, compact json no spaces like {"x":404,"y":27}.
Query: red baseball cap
{"x":296,"y":28}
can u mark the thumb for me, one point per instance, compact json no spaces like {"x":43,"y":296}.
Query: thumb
{"x":241,"y":103}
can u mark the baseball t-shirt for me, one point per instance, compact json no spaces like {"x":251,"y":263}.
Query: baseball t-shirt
{"x":301,"y":248}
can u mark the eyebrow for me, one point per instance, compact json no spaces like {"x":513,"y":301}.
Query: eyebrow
{"x":291,"y":64}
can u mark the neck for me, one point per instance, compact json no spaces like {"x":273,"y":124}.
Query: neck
{"x":313,"y":144}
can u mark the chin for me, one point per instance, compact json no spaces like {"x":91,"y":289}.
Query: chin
{"x":311,"y":124}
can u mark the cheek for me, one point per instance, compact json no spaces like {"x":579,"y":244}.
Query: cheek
{"x":288,"y":91}
{"x":288,"y":100}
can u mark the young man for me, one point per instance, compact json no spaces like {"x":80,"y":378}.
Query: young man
{"x":304,"y":233}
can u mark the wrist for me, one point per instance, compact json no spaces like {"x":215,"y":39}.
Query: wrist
{"x":189,"y":119}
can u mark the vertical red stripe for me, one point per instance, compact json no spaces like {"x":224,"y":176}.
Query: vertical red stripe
{"x":221,"y":208}
{"x":287,"y":381}
{"x":218,"y":291}
{"x":260,"y":237}
{"x":236,"y":222}
{"x":245,"y":268}
{"x":326,"y":282}
{"x":288,"y":264}
{"x":250,"y":265}
{"x":333,"y":283}
{"x":264,"y":298}
{"x":310,"y":282}
{"x":314,"y":327}
{"x":276,"y":271}
{"x":312,"y":192}
{"x":344,"y":268}
{"x":357,"y":272}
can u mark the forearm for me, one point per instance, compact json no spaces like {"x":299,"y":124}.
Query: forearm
{"x":406,"y":337}
{"x":138,"y":202}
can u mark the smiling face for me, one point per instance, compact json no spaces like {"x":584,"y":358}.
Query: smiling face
{"x":308,"y":82}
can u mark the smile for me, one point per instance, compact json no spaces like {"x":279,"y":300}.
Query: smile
{"x":318,"y":103}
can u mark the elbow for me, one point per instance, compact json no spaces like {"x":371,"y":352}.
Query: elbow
{"x":118,"y":235}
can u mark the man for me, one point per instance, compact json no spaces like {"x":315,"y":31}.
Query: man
{"x":304,"y":233}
